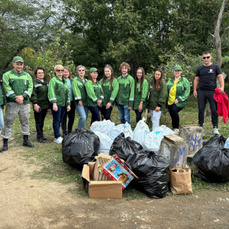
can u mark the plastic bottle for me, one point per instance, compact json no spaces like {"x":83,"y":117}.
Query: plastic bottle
{"x":226,"y":146}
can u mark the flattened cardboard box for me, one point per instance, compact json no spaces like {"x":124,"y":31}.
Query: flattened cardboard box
{"x":100,"y":189}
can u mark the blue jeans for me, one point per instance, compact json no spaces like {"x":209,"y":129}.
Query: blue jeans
{"x":57,"y":119}
{"x":1,"y":119}
{"x":95,"y":114}
{"x":124,"y":113}
{"x":83,"y":113}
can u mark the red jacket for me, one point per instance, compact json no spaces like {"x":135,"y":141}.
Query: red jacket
{"x":223,"y":104}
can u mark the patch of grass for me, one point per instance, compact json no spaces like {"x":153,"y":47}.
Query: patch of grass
{"x":49,"y":157}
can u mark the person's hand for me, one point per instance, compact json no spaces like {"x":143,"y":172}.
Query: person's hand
{"x":55,"y":107}
{"x":129,"y":108}
{"x":99,"y":102}
{"x":176,"y":101}
{"x":140,"y":107}
{"x":68,"y":108}
{"x":157,"y":109}
{"x":195,"y":93}
{"x":80,"y":103}
{"x":19,"y":99}
{"x":108,"y":105}
{"x":36,"y":107}
{"x":221,"y":90}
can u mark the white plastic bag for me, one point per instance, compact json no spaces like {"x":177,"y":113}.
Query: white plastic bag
{"x":125,"y":128}
{"x":153,"y":139}
{"x":104,"y":126}
{"x":105,"y":142}
{"x":140,"y":131}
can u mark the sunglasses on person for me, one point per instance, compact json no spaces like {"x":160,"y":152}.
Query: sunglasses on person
{"x":59,"y":70}
{"x":206,"y":57}
{"x":81,"y":70}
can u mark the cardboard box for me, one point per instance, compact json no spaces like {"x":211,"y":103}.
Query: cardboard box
{"x":100,"y":189}
{"x":115,"y":169}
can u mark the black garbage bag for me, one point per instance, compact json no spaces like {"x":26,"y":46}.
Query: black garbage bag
{"x":212,"y":160}
{"x":124,"y":147}
{"x":80,"y":147}
{"x":152,"y":172}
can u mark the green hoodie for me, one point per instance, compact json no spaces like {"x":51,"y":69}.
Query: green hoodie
{"x":15,"y":84}
{"x":79,"y":90}
{"x":110,"y":92}
{"x":58,"y":92}
{"x":40,"y":94}
{"x":126,"y":91}
{"x":94,"y":93}
{"x":158,"y":98}
{"x":182,"y":91}
{"x":138,"y":96}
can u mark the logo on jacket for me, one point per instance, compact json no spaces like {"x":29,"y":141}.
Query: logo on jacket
{"x":211,"y":70}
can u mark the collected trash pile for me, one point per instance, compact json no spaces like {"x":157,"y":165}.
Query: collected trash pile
{"x":113,"y":156}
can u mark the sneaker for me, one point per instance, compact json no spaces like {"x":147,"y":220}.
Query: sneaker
{"x":176,"y":131}
{"x":215,"y":130}
{"x":58,"y":140}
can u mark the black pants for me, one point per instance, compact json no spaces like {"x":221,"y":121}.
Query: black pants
{"x":71,"y":118}
{"x":39,"y":119}
{"x":106,"y":113}
{"x":173,"y":111}
{"x":138,"y":115}
{"x":203,"y":96}
{"x":95,"y":114}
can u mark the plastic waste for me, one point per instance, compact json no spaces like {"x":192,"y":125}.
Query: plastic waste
{"x":212,"y":160}
{"x":80,"y":147}
{"x":140,"y":131}
{"x":104,"y":126}
{"x":121,"y":128}
{"x":105,"y":142}
{"x":124,"y":147}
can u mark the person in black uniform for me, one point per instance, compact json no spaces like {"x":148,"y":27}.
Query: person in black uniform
{"x":40,"y":102}
{"x":205,"y":79}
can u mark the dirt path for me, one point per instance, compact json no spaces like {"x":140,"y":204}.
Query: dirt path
{"x":31,"y":203}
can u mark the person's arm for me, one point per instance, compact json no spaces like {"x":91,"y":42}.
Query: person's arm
{"x":186,"y":91}
{"x":221,"y":81}
{"x":195,"y":84}
{"x":131,"y":97}
{"x":90,"y":91}
{"x":145,"y":89}
{"x":7,"y":88}
{"x":34,"y":100}
{"x":162,"y":96}
{"x":28,"y":92}
{"x":76,"y":92}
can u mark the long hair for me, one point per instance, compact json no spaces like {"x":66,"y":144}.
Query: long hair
{"x":112,"y":75}
{"x":142,"y":78}
{"x":157,"y":83}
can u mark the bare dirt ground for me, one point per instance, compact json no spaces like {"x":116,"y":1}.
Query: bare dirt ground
{"x":31,"y":203}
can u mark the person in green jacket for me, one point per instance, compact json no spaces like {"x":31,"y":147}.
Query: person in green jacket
{"x":157,"y":98}
{"x":140,"y":93}
{"x":80,"y":95}
{"x":18,"y":87}
{"x":59,"y":96}
{"x":71,"y":113}
{"x":110,"y":88}
{"x":40,"y":102}
{"x":125,"y":97}
{"x":94,"y":95}
{"x":178,"y":90}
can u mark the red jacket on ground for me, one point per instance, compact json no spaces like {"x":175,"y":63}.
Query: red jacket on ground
{"x":223,"y":104}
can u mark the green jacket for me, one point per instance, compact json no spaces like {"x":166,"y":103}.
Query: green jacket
{"x":126,"y":91}
{"x":110,"y":93}
{"x":158,"y":97}
{"x":182,"y":91}
{"x":58,"y":92}
{"x":40,"y":94}
{"x":138,"y":96}
{"x":94,"y":93}
{"x":15,"y":85}
{"x":79,"y":90}
{"x":2,"y":96}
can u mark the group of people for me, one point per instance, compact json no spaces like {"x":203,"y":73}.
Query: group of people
{"x":64,"y":95}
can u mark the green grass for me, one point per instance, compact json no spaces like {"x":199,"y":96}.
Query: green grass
{"x":48,"y":156}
